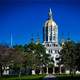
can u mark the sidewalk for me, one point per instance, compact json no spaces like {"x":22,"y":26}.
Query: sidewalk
{"x":50,"y":77}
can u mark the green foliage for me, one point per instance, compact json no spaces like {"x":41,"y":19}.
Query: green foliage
{"x":19,"y":48}
{"x":68,"y":77}
{"x":35,"y":55}
{"x":77,"y":52}
{"x":69,"y":55}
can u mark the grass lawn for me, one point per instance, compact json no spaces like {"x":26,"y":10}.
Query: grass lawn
{"x":32,"y":77}
{"x":40,"y":77}
{"x":68,"y":77}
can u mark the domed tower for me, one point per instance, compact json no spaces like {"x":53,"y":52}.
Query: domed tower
{"x":50,"y":38}
{"x":50,"y":30}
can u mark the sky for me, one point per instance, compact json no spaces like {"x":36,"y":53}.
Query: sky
{"x":23,"y":18}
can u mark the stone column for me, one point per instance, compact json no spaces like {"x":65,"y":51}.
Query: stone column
{"x":40,"y":72}
{"x":33,"y":72}
{"x":47,"y":71}
{"x":60,"y":69}
{"x":53,"y":70}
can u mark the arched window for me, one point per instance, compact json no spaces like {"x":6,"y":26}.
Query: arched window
{"x":47,"y":45}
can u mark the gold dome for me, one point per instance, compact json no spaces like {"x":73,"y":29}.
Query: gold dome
{"x":50,"y":22}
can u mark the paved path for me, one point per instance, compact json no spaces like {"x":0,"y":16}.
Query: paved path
{"x":50,"y":77}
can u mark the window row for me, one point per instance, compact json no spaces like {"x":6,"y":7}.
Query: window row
{"x":51,"y":45}
{"x":51,"y":51}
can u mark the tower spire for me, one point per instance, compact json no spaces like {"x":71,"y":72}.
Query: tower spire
{"x":50,"y":13}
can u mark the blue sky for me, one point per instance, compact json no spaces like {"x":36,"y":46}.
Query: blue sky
{"x":24,"y":17}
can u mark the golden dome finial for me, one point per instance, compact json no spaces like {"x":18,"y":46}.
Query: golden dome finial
{"x":50,"y":13}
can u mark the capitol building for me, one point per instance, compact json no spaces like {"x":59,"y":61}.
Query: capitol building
{"x":50,"y":38}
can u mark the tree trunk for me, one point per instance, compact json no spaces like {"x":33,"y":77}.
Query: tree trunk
{"x":20,"y":72}
{"x":70,"y":71}
{"x":25,"y":68}
{"x":74,"y":70}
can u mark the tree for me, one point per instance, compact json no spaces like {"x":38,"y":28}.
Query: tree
{"x":9,"y":55}
{"x":3,"y":57}
{"x":77,"y":52}
{"x":19,"y":48}
{"x":68,"y":55}
{"x":42,"y":59}
{"x":36,"y":55}
{"x":19,"y":57}
{"x":29,"y":52}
